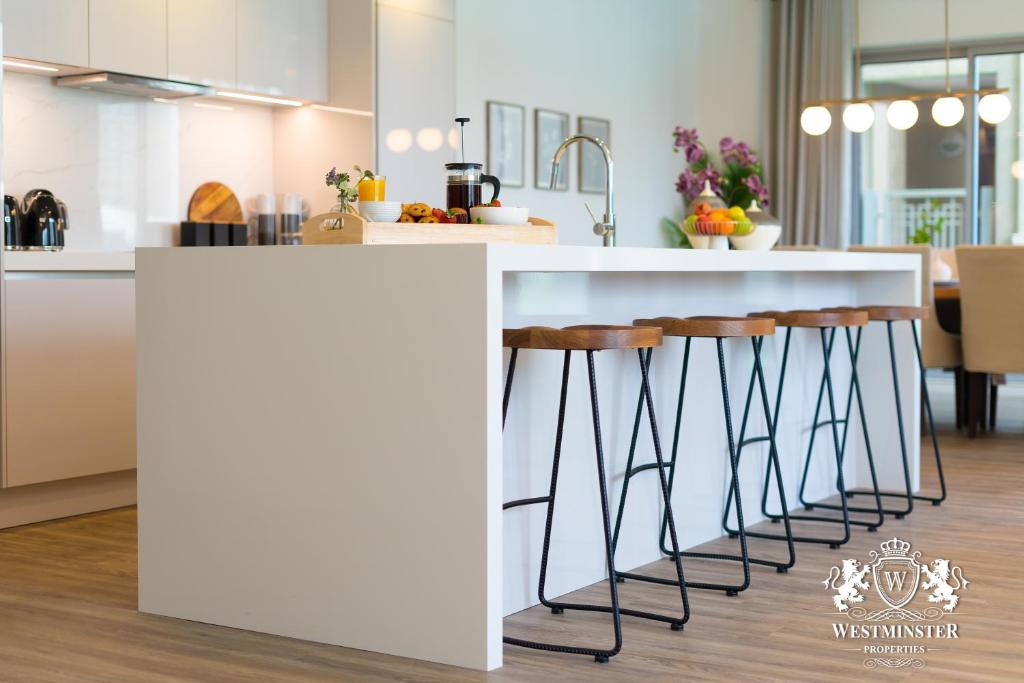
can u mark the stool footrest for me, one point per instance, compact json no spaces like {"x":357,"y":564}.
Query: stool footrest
{"x":625,"y":611}
{"x":796,"y":539}
{"x":643,"y":468}
{"x":825,"y":423}
{"x":525,"y":501}
{"x":753,"y":439}
{"x":735,"y":558}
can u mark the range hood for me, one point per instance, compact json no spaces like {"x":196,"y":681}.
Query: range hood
{"x":136,"y":86}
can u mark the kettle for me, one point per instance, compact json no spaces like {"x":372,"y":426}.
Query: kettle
{"x":43,"y":222}
{"x":12,"y":224}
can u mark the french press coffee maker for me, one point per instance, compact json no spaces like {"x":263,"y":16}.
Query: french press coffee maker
{"x":465,"y":180}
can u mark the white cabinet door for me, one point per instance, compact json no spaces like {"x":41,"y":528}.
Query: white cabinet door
{"x":201,"y":42}
{"x":282,"y":48}
{"x":47,"y":30}
{"x":128,"y":36}
{"x":70,"y":377}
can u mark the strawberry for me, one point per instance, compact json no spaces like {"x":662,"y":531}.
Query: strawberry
{"x":495,"y":203}
{"x":438,"y":213}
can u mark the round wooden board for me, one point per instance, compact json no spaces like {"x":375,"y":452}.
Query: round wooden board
{"x":214,"y":203}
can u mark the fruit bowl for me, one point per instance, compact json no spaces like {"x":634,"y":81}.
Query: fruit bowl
{"x":717,"y":225}
{"x":717,"y":232}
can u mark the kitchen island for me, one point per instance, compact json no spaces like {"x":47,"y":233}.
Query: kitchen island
{"x":321,"y":452}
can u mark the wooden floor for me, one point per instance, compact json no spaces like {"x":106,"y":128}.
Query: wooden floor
{"x":68,"y":597}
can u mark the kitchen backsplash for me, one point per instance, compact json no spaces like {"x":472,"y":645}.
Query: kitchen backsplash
{"x":126,"y":167}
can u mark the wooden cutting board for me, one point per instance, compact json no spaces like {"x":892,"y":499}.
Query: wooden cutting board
{"x":214,"y":203}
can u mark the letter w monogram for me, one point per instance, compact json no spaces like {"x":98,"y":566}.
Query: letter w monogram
{"x":895,"y":579}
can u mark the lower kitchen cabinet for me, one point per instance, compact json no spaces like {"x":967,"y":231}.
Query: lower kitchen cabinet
{"x":69,"y":376}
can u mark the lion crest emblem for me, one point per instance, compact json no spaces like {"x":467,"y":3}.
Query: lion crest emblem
{"x":847,"y":582}
{"x":938,"y":578}
{"x":896,"y":575}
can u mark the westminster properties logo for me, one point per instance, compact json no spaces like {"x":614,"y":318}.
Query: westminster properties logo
{"x":910,"y":602}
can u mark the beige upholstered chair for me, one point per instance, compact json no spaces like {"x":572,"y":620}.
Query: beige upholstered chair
{"x":992,"y":308}
{"x":939,"y":349}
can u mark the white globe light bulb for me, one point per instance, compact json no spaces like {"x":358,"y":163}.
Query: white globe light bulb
{"x":815,"y":120}
{"x":994,"y":108}
{"x":858,"y":117}
{"x":902,"y":114}
{"x":948,"y":111}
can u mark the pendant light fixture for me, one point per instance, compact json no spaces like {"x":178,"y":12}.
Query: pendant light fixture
{"x":902,"y":111}
{"x":947,"y":111}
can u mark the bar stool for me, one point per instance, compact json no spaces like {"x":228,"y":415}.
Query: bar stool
{"x":826,"y":322}
{"x":911,"y":314}
{"x":591,"y":338}
{"x":717,"y":328}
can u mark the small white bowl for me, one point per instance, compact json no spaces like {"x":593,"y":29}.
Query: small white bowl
{"x":380,"y":212}
{"x":500,"y":215}
{"x":763,"y":238}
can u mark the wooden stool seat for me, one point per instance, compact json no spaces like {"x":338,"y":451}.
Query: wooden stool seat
{"x":711,"y":326}
{"x":583,"y":337}
{"x":816,"y":319}
{"x":896,"y":312}
{"x":887,"y":313}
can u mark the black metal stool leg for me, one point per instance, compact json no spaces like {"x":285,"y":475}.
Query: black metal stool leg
{"x":668,"y":519}
{"x":599,"y":654}
{"x":855,"y":391}
{"x":773,"y":458}
{"x":661,"y":466}
{"x":744,"y":558}
{"x":632,"y":453}
{"x":899,"y":514}
{"x":508,"y":386}
{"x":675,"y":440}
{"x":814,"y":427}
{"x":931,"y":428}
{"x":931,"y":424}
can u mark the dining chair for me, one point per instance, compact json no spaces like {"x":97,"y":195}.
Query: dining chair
{"x":992,"y":316}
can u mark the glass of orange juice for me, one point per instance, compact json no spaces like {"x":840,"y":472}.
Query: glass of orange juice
{"x":372,"y":189}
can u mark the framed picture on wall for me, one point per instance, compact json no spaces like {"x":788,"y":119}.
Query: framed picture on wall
{"x":550,"y":128}
{"x":592,"y":169}
{"x":506,"y":143}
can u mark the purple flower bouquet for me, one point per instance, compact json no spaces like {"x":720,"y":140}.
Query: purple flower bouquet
{"x":739,"y":181}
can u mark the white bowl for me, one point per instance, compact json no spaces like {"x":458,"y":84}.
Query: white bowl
{"x":763,"y":238}
{"x":380,"y":212}
{"x":500,"y":215}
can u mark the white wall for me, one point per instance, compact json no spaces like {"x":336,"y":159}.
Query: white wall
{"x":647,"y":66}
{"x":625,"y":62}
{"x":907,"y":22}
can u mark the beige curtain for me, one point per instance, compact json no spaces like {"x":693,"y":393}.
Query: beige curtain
{"x":809,"y":176}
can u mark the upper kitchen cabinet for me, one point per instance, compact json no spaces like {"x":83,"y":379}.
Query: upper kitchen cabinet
{"x":47,"y":30}
{"x":201,"y":41}
{"x":128,"y":36}
{"x":282,"y":48}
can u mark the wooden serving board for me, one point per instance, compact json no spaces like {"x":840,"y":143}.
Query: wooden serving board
{"x":214,"y":203}
{"x":351,"y":228}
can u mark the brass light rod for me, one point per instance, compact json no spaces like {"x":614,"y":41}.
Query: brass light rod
{"x":913,"y":97}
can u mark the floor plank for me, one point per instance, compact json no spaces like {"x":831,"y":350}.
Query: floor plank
{"x":68,"y":597}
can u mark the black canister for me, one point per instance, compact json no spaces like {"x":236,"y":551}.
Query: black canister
{"x":12,"y":224}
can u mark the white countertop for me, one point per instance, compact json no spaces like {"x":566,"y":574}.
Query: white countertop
{"x":69,"y":260}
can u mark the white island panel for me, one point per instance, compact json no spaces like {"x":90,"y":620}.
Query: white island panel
{"x":321,"y":450}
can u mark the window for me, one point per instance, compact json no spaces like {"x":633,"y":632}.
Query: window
{"x":965,"y":182}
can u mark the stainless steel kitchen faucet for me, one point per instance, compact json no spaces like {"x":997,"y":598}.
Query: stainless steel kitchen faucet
{"x":605,"y":228}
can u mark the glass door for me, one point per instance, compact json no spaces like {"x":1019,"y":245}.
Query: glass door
{"x":946,"y":185}
{"x":915,"y":180}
